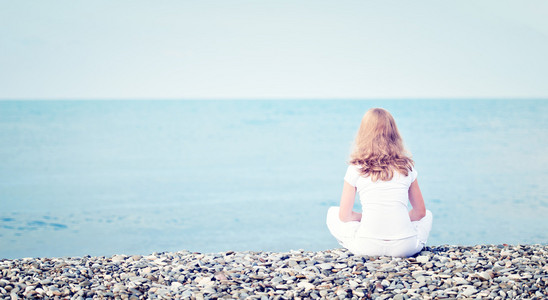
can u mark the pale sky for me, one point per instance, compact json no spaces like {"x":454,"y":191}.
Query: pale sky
{"x":273,"y":49}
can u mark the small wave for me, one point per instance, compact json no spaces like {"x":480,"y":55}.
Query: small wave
{"x":58,"y":226}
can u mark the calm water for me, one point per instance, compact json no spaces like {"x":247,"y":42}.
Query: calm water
{"x":100,"y":177}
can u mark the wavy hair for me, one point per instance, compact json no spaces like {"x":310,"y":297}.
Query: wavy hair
{"x":379,"y":148}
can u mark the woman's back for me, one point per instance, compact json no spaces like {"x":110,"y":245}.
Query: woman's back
{"x":384,"y":204}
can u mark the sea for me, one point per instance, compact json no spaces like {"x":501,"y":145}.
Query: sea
{"x":136,"y":177}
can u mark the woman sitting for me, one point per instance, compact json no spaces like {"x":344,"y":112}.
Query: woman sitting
{"x":384,"y":176}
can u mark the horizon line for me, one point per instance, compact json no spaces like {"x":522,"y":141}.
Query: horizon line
{"x":281,"y":99}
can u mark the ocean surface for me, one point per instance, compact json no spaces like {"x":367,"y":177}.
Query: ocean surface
{"x":135,"y":177}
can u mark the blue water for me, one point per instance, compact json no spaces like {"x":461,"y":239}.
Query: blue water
{"x":105,"y":177}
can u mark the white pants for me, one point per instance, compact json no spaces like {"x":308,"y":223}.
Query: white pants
{"x":345,"y":233}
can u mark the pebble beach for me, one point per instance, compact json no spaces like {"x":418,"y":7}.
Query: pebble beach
{"x":441,"y":272}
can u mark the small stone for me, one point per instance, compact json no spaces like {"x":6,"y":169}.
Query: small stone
{"x":460,"y":281}
{"x":325,"y":266}
{"x":514,"y":277}
{"x":379,"y":286}
{"x":220,"y":276}
{"x":353,"y":284}
{"x":486,"y":275}
{"x":469,"y":291}
{"x":359,"y":293}
{"x":276,"y":280}
{"x":340,"y":266}
{"x":118,"y":258}
{"x":186,"y":294}
{"x":176,"y":285}
{"x":136,"y":257}
{"x":305,"y":285}
{"x":85,"y":283}
{"x":422,"y":259}
{"x":138,"y":280}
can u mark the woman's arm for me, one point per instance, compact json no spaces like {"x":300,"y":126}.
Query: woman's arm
{"x":417,"y":202}
{"x":347,"y":202}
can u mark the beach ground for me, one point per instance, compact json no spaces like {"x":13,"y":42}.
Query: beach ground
{"x":440,"y":272}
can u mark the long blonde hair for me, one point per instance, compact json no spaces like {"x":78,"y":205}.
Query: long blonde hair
{"x":378,"y":148}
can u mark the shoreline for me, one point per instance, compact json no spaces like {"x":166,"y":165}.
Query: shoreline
{"x":441,"y":272}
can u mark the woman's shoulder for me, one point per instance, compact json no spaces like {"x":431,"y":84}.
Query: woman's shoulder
{"x":400,"y":175}
{"x":353,"y":173}
{"x":358,"y":169}
{"x":413,"y":174}
{"x":354,"y":166}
